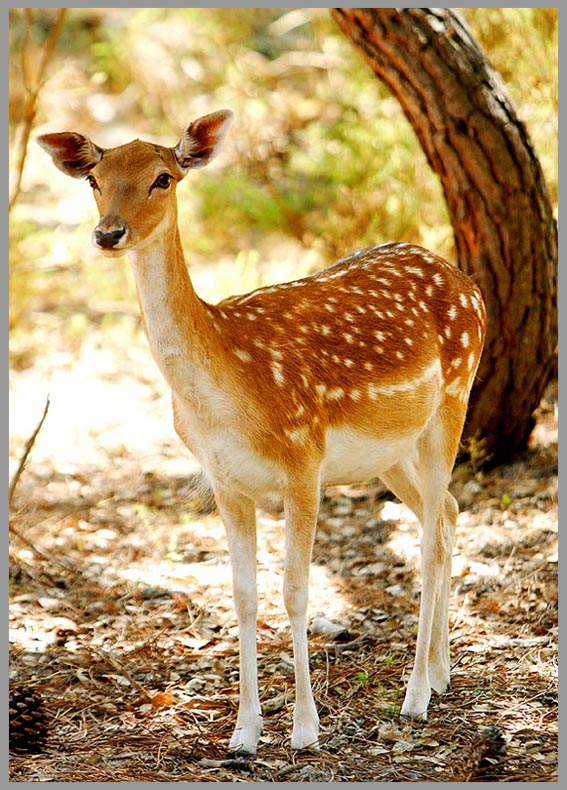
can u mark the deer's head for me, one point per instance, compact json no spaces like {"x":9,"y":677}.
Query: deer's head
{"x":134,"y":184}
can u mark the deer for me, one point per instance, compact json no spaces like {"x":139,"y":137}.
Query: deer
{"x":358,"y":371}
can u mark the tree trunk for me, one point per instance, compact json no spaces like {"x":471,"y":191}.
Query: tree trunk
{"x":505,"y":232}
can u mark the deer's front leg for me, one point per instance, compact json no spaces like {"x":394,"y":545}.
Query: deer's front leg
{"x":239,"y":518}
{"x":301,"y":506}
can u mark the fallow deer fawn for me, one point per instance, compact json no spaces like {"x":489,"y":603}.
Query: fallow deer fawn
{"x":361,"y":370}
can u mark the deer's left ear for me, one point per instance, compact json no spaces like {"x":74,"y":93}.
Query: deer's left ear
{"x":202,"y":140}
{"x":71,"y":152}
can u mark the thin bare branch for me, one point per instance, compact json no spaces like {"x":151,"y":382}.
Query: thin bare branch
{"x":33,"y":89}
{"x":29,"y":444}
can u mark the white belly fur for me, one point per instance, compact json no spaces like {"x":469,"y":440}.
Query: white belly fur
{"x":354,"y":458}
{"x":350,"y":457}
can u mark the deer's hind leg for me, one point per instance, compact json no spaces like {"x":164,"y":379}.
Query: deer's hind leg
{"x":424,"y":490}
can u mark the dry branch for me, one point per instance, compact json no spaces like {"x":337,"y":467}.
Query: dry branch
{"x":27,"y":450}
{"x":32,"y":88}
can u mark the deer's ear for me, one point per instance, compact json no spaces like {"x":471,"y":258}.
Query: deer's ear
{"x":202,"y":140}
{"x":71,"y":152}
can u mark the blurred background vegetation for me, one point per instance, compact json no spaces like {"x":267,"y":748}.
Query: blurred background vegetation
{"x":320,"y":160}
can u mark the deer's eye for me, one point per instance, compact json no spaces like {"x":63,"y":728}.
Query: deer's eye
{"x":92,"y":182}
{"x":162,"y":181}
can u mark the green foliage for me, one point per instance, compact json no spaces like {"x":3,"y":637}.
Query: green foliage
{"x":320,"y":159}
{"x":477,"y":457}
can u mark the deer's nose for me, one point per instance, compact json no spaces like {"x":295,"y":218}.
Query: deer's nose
{"x":107,"y":239}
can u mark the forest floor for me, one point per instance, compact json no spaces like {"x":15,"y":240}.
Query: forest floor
{"x":121,"y":616}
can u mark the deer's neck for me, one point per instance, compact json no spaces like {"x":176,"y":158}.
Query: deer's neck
{"x":176,"y":321}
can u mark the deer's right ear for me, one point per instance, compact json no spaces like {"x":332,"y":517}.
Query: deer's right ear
{"x":71,"y":152}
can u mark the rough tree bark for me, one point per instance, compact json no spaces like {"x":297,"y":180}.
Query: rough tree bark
{"x":505,"y":232}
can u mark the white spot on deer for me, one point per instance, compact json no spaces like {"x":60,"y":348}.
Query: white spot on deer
{"x":298,"y":435}
{"x":380,"y":336}
{"x":400,"y":307}
{"x":456,"y":363}
{"x":340,"y":273}
{"x":437,"y":279}
{"x":415,"y":270}
{"x":354,"y":394}
{"x":429,"y":290}
{"x":471,"y":361}
{"x":259,"y":343}
{"x":336,"y":393}
{"x":304,"y":329}
{"x":277,"y":373}
{"x":454,"y":388}
{"x":424,"y":307}
{"x":399,"y":354}
{"x":409,"y":341}
{"x":409,"y":322}
{"x":300,"y":411}
{"x":276,"y":353}
{"x":368,"y":365}
{"x":348,"y":338}
{"x":441,"y":339}
{"x":349,"y":363}
{"x":378,"y":350}
{"x":452,"y":312}
{"x":447,"y":331}
{"x":463,"y":299}
{"x":465,"y":340}
{"x":321,"y":390}
{"x":329,"y":308}
{"x":243,"y":355}
{"x":372,"y":391}
{"x":349,"y":317}
{"x":325,"y":330}
{"x":361,"y":310}
{"x":383,"y":281}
